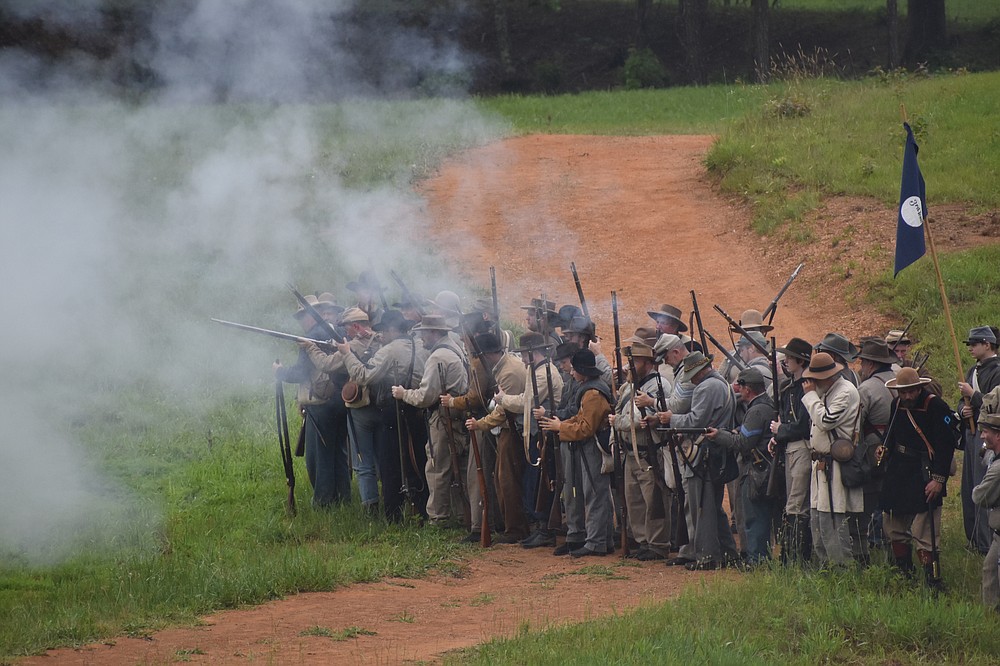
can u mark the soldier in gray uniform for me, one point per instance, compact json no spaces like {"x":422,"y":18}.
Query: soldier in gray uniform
{"x":987,"y":496}
{"x":876,"y":403}
{"x":707,"y":466}
{"x":446,"y":371}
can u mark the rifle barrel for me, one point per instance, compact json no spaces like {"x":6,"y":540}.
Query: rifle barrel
{"x":273,"y":334}
{"x":579,"y":290}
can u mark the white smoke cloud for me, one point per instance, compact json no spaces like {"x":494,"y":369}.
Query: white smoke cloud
{"x":125,"y":226}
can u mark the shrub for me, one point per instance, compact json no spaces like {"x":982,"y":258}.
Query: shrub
{"x":644,"y":70}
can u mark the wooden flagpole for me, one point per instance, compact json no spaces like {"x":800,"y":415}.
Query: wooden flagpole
{"x":947,"y":316}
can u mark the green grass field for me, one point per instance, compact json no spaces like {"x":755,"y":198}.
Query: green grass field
{"x":203,"y":490}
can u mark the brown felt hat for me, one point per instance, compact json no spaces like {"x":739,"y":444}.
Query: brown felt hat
{"x":644,"y":335}
{"x":638,"y":350}
{"x":432,"y":323}
{"x":670,"y":312}
{"x":822,"y":366}
{"x":532,"y":341}
{"x":753,"y":320}
{"x":877,"y":351}
{"x":907,"y":378}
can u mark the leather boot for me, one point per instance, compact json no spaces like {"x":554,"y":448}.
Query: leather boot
{"x":931,"y":579}
{"x":902,"y":556}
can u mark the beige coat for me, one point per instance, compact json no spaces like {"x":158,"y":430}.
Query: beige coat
{"x":834,"y":415}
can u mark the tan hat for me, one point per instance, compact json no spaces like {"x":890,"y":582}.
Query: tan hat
{"x":311,"y":300}
{"x":669,"y":311}
{"x":989,"y":421}
{"x":907,"y":378}
{"x":822,"y":366}
{"x":353,"y":315}
{"x":753,"y":320}
{"x":896,"y":336}
{"x":432,"y":323}
{"x":638,"y":350}
{"x":644,"y":335}
{"x":667,"y":342}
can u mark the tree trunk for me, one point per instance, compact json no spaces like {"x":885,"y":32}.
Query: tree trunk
{"x":892,"y":17}
{"x":503,"y":37}
{"x":761,"y":45}
{"x":692,"y":21}
{"x":641,"y":14}
{"x":927,"y":28}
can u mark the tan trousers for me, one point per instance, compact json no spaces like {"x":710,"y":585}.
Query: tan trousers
{"x":445,"y":500}
{"x":648,"y":509}
{"x":798,"y":471}
{"x":907,"y":527}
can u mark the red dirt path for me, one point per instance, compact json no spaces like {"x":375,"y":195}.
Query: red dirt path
{"x":639,"y":216}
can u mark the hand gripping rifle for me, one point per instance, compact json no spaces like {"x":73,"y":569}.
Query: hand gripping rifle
{"x":456,"y":473}
{"x":407,"y":294}
{"x":775,"y":483}
{"x":325,"y":344}
{"x":697,"y":318}
{"x":285,"y":445}
{"x":317,"y":317}
{"x":773,"y":307}
{"x":579,"y":290}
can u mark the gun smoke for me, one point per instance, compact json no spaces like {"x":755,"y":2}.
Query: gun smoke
{"x":126,"y":225}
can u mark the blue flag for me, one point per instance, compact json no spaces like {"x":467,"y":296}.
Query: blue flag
{"x":912,"y":208}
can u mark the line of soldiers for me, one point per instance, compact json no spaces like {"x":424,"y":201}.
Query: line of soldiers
{"x":817,"y":458}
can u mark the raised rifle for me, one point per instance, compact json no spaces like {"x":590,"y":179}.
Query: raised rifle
{"x":631,"y":406}
{"x":773,"y":307}
{"x":407,"y":294}
{"x":317,"y":317}
{"x":678,"y":520}
{"x":324,"y":344}
{"x":775,"y":485}
{"x":456,"y":473}
{"x":735,"y":325}
{"x":496,"y":299}
{"x":485,"y":540}
{"x":735,"y":360}
{"x":579,"y":290}
{"x":285,"y":445}
{"x":697,"y":319}
{"x":378,"y":286}
{"x":902,"y":335}
{"x":618,"y":339}
{"x":555,"y":509}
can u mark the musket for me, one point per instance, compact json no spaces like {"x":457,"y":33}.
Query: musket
{"x":378,"y":286}
{"x":735,"y":360}
{"x":735,"y":325}
{"x":683,"y":431}
{"x":285,"y":445}
{"x":555,"y":510}
{"x":314,"y":313}
{"x":618,"y":337}
{"x":697,"y":318}
{"x":579,"y":290}
{"x":485,"y":540}
{"x":680,"y":536}
{"x":456,"y":474}
{"x":631,"y":406}
{"x":325,"y":344}
{"x":773,"y":307}
{"x":407,"y":294}
{"x":919,"y":360}
{"x":773,"y":482}
{"x":496,"y":298}
{"x":902,"y":335}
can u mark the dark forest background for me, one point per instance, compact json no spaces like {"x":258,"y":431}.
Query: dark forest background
{"x":559,"y":46}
